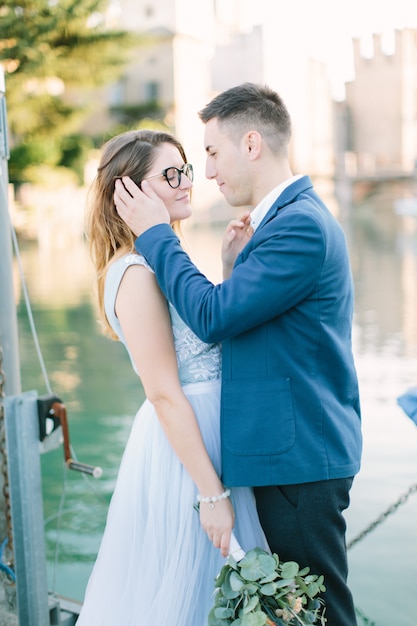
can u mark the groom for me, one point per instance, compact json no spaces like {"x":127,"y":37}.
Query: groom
{"x":290,"y":414}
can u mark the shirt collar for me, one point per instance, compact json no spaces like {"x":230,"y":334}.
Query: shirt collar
{"x":259,"y":212}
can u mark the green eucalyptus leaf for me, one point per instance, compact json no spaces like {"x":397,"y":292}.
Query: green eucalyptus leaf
{"x":219,"y":599}
{"x":221,"y":576}
{"x":281,"y":594}
{"x":251,"y":572}
{"x":229,"y":593}
{"x":250,"y":558}
{"x":232,"y":563}
{"x":285,"y":582}
{"x":257,"y":565}
{"x":254,"y":619}
{"x":223,"y":612}
{"x":311,"y":578}
{"x":235,"y":581}
{"x":267,"y":563}
{"x":303,"y":588}
{"x":290,"y":569}
{"x":251,"y":589}
{"x":313,"y":590}
{"x":320,"y":582}
{"x":227,"y":589}
{"x":213,"y":620}
{"x":269,"y":589}
{"x":250,"y":605}
{"x":268,"y":579}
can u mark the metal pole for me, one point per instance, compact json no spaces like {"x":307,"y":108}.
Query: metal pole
{"x":8,"y":319}
{"x":22,"y":427}
{"x":9,"y":354}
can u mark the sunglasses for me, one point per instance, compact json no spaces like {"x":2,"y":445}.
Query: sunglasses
{"x":173,"y":175}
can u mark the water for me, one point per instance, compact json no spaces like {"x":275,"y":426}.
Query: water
{"x":93,"y":376}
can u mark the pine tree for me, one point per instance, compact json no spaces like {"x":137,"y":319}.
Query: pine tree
{"x":49,"y":49}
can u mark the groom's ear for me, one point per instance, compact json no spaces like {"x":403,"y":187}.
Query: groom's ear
{"x":253,"y":143}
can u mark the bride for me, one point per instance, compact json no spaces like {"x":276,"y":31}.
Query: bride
{"x":159,"y":557}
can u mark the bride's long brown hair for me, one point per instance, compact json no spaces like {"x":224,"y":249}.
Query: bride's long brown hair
{"x":130,"y":154}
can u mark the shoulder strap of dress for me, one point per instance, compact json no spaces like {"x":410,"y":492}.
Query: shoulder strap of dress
{"x":114,"y":277}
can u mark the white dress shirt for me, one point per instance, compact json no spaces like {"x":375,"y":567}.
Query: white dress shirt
{"x":259,"y":212}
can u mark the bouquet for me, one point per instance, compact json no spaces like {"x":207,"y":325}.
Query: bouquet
{"x":257,"y":589}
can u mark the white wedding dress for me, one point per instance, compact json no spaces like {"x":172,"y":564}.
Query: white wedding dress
{"x":156,"y":565}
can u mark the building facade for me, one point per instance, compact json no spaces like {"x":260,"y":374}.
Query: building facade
{"x":380,"y":117}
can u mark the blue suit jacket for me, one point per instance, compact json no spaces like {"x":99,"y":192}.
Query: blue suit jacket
{"x":290,"y":402}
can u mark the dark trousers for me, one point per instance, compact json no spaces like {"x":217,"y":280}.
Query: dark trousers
{"x":305,"y":523}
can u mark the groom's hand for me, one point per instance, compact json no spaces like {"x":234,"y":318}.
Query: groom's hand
{"x":237,"y":235}
{"x":140,"y":209}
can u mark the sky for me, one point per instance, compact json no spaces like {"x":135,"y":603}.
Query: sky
{"x":324,"y":29}
{"x":325,"y":21}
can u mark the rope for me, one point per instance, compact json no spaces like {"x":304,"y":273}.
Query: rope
{"x":365,"y":620}
{"x":392,"y":509}
{"x":29,"y":312}
{"x":3,"y":566}
{"x":4,"y":463}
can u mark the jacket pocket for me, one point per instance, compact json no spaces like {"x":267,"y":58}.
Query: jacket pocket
{"x":257,"y":416}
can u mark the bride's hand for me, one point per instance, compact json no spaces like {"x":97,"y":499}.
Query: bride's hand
{"x":218,"y":523}
{"x":238,"y":232}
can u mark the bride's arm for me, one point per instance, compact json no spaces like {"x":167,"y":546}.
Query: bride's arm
{"x":144,"y":318}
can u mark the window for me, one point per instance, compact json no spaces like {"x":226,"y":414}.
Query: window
{"x":151,"y":91}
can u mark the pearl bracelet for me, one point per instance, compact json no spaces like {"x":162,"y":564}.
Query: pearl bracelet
{"x":211,"y":500}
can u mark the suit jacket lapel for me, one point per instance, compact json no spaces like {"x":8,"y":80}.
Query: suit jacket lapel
{"x":287,"y":197}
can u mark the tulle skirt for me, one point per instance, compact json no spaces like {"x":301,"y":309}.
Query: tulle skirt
{"x":156,"y":565}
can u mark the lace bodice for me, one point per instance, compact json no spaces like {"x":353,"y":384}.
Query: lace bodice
{"x":197,"y":361}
